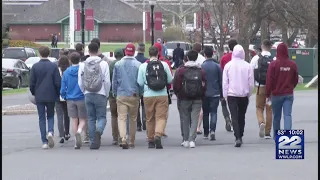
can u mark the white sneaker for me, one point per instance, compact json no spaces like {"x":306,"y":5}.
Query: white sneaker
{"x":192,"y":144}
{"x":262,"y":130}
{"x":185,"y":144}
{"x":45,"y":146}
{"x":267,"y":137}
{"x":50,"y":140}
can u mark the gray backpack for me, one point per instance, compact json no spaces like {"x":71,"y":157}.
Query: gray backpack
{"x":92,"y":76}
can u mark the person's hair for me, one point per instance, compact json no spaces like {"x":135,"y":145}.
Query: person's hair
{"x":74,"y":58}
{"x":44,"y":51}
{"x":96,"y":40}
{"x":178,"y":44}
{"x":63,"y":52}
{"x":93,"y":48}
{"x":79,"y":47}
{"x":118,"y":56}
{"x":163,"y":42}
{"x":63,"y":63}
{"x":232,"y":43}
{"x":192,"y":55}
{"x":208,"y":52}
{"x":185,"y":58}
{"x":196,"y":47}
{"x":153,"y":51}
{"x":141,"y":48}
{"x":267,"y":44}
{"x":124,"y":51}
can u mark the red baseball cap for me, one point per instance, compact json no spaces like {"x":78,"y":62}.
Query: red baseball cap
{"x":130,"y":49}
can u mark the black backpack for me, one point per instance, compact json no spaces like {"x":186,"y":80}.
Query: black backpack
{"x":156,"y":76}
{"x":192,"y":82}
{"x":260,"y":74}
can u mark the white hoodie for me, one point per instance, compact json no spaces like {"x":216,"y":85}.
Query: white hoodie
{"x":105,"y":74}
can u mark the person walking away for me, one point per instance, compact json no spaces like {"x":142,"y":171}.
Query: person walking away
{"x":94,"y":82}
{"x":113,"y":101}
{"x":165,"y":50}
{"x":178,"y":55}
{"x":45,"y":82}
{"x":61,"y":105}
{"x":238,"y":84}
{"x":52,"y":40}
{"x":224,"y":60}
{"x":213,"y":94}
{"x":142,"y":59}
{"x":282,"y":78}
{"x":71,"y":92}
{"x":80,"y":49}
{"x":260,"y":64}
{"x":56,"y":41}
{"x":190,"y":86}
{"x":154,"y":76}
{"x":126,"y":90}
{"x":103,"y":57}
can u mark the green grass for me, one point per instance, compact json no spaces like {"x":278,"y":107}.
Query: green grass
{"x":14,"y":91}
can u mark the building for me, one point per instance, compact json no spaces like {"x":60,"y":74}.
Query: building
{"x":115,"y":21}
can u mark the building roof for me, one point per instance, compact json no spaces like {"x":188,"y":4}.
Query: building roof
{"x":105,"y":11}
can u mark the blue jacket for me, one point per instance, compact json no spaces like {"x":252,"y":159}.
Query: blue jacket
{"x":70,"y":89}
{"x":164,"y":51}
{"x":140,"y":57}
{"x":45,"y":81}
{"x":124,"y":78}
{"x":214,"y":78}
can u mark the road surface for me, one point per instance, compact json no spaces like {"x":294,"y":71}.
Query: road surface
{"x":15,"y":99}
{"x":23,"y":158}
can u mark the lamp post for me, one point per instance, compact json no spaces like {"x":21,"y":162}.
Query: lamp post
{"x":152,"y":4}
{"x":202,"y":29}
{"x":82,"y":21}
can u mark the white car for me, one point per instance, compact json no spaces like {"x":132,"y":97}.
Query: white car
{"x":275,"y":45}
{"x":189,"y":27}
{"x":171,"y":45}
{"x":32,"y":60}
{"x":110,"y":55}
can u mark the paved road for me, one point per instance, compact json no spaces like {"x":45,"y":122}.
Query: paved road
{"x":24,"y":159}
{"x":16,"y":99}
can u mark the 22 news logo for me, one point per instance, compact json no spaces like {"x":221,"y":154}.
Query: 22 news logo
{"x":290,"y":144}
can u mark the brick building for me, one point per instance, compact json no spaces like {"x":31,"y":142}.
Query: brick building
{"x":115,"y":21}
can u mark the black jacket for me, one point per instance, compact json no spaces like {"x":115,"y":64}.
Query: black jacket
{"x":140,"y":57}
{"x":45,"y":81}
{"x":178,"y":54}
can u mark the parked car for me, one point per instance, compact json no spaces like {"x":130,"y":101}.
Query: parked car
{"x":171,"y":45}
{"x":55,"y":52}
{"x":15,"y":73}
{"x":32,"y":60}
{"x":21,"y":53}
{"x":110,"y":55}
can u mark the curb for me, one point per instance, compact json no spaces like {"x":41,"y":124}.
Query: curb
{"x":24,"y":112}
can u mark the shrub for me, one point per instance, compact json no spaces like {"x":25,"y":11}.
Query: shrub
{"x":23,"y":43}
{"x":174,"y":33}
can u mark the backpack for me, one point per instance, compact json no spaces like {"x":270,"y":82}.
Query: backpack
{"x":156,"y":76}
{"x":92,"y":76}
{"x":260,"y":74}
{"x":192,"y":82}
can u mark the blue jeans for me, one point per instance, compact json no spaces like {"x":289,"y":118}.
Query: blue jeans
{"x":279,"y":103}
{"x":96,"y":105}
{"x":42,"y":108}
{"x":210,"y":106}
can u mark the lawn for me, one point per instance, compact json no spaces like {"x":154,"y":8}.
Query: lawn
{"x":14,"y":91}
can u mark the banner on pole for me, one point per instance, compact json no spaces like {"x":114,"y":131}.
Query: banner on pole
{"x":148,"y":21}
{"x":158,"y":21}
{"x":89,"y":20}
{"x":77,"y":20}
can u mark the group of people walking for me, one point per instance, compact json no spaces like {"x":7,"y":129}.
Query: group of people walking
{"x":80,"y":87}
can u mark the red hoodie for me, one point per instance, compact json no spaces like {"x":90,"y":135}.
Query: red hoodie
{"x":225,"y":59}
{"x":282,"y":75}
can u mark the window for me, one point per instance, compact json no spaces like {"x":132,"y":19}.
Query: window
{"x":88,"y":35}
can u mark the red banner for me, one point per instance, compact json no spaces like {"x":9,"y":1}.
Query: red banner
{"x":77,"y":20}
{"x":158,"y":21}
{"x":206,"y":20}
{"x":148,"y":21}
{"x":89,"y":20}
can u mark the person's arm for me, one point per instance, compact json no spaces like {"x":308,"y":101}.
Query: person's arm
{"x":80,"y":76}
{"x":63,"y":89}
{"x":204,"y":82}
{"x":33,"y":80}
{"x":220,"y":80}
{"x":295,"y":78}
{"x":57,"y":80}
{"x":107,"y":83}
{"x":250,"y":81}
{"x":115,"y":80}
{"x":169,"y":73}
{"x":175,"y":82}
{"x":225,"y":82}
{"x":222,"y":62}
{"x":270,"y":79}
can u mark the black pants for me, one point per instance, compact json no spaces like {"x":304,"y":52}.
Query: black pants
{"x":143,"y":119}
{"x":238,"y":108}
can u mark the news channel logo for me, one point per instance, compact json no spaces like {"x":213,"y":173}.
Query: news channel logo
{"x":290,"y":144}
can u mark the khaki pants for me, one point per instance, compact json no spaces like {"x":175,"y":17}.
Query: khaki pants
{"x":127,"y":106}
{"x":114,"y":118}
{"x":156,"y":115}
{"x":260,"y":105}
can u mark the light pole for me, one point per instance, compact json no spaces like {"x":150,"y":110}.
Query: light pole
{"x":82,"y":21}
{"x":152,"y":4}
{"x":202,"y":29}
{"x":71,"y":25}
{"x":144,"y":22}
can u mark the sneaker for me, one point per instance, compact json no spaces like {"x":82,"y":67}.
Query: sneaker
{"x":262,"y":130}
{"x":61,"y":140}
{"x":192,"y":144}
{"x":131,"y":145}
{"x":78,"y":139}
{"x":241,"y":140}
{"x":144,"y":127}
{"x":97,"y":139}
{"x":205,"y":136}
{"x":185,"y":144}
{"x":50,"y":140}
{"x":94,"y":146}
{"x":228,"y":124}
{"x":158,"y":143}
{"x":76,"y":147}
{"x":124,"y":145}
{"x":237,"y":143}
{"x":45,"y":146}
{"x":139,"y":128}
{"x":86,"y":139}
{"x":151,"y":145}
{"x":164,"y":135}
{"x":267,"y":136}
{"x":67,"y":137}
{"x":212,"y":136}
{"x":182,"y":142}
